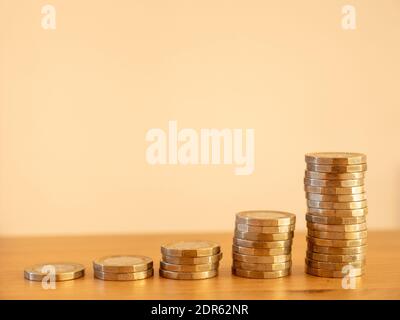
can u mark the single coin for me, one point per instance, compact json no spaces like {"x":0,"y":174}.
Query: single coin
{"x":337,"y":243}
{"x":140,"y":275}
{"x":122,"y":264}
{"x":338,"y":213}
{"x":261,"y":266}
{"x":265,"y":218}
{"x":259,"y":229}
{"x":340,"y":158}
{"x":260,"y":274}
{"x":333,"y":183}
{"x":260,"y":259}
{"x":337,"y":205}
{"x":188,"y":275}
{"x":336,"y":258}
{"x":332,"y":250}
{"x":62,"y":271}
{"x":261,"y":252}
{"x":334,"y":190}
{"x":262,"y":244}
{"x":190,"y":249}
{"x":337,"y":168}
{"x":337,"y":235}
{"x":334,"y":220}
{"x":336,"y":197}
{"x":192,"y":260}
{"x":263,"y":236}
{"x":333,"y":265}
{"x":355,"y":272}
{"x":188,"y":267}
{"x":337,"y":228}
{"x":334,"y":176}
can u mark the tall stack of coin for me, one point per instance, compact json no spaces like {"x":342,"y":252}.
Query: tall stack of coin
{"x":123,"y":268}
{"x":262,"y":244}
{"x":336,"y":214}
{"x":190,"y":260}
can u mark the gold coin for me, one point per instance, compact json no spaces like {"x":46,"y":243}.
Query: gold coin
{"x":337,"y":235}
{"x":334,"y":190}
{"x":337,"y":243}
{"x":333,"y":183}
{"x":338,"y":213}
{"x":261,"y":266}
{"x":339,"y":158}
{"x":260,"y":259}
{"x":140,"y":275}
{"x":188,"y":275}
{"x":190,"y":249}
{"x":122,"y":264}
{"x":263,"y":236}
{"x":333,"y":265}
{"x":192,"y":260}
{"x":260,"y":274}
{"x":334,"y":176}
{"x":355,"y":272}
{"x":335,"y":220}
{"x":265,"y":218}
{"x":261,"y":252}
{"x":337,"y":205}
{"x":262,"y":244}
{"x":337,"y":227}
{"x":332,"y":250}
{"x":336,"y":197}
{"x":336,"y":168}
{"x":62,"y":271}
{"x":337,"y":258}
{"x":258,"y":229}
{"x":188,"y":267}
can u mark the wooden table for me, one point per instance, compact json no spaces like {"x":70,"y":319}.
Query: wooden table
{"x":382,"y":279}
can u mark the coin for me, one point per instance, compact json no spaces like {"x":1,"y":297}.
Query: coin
{"x":333,"y":265}
{"x":140,"y":275}
{"x":122,"y":264}
{"x":355,"y":272}
{"x":190,"y":249}
{"x":259,"y":229}
{"x":333,"y":183}
{"x":260,"y":259}
{"x":62,"y":271}
{"x":332,"y":158}
{"x":188,"y":275}
{"x":337,"y":228}
{"x":335,"y":220}
{"x":335,"y":257}
{"x":337,"y":243}
{"x":338,"y":213}
{"x":336,"y":168}
{"x":334,"y":190}
{"x":334,"y":176}
{"x":262,"y":244}
{"x":188,"y":267}
{"x":193,"y":260}
{"x":263,"y":236}
{"x":261,"y":266}
{"x":265,"y":218}
{"x":260,"y":274}
{"x":261,"y":252}
{"x":332,"y":250}
{"x":336,"y":197}
{"x":338,"y":235}
{"x":337,"y":205}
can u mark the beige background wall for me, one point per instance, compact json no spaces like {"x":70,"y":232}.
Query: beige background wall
{"x":76,"y":102}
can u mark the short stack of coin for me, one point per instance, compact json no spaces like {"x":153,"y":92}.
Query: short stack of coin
{"x":262,"y":244}
{"x":336,"y":214}
{"x":123,"y":268}
{"x":190,"y":260}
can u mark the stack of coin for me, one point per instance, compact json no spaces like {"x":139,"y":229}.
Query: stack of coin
{"x":262,"y":244}
{"x":60,"y":271}
{"x":336,"y":214}
{"x":123,"y":268}
{"x":190,"y":260}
